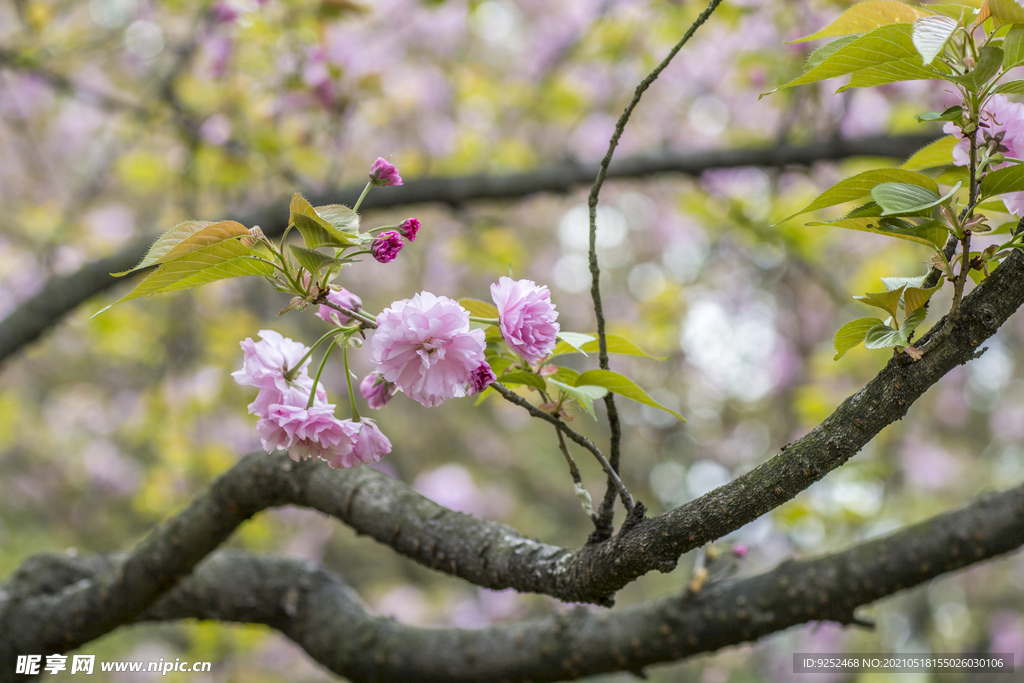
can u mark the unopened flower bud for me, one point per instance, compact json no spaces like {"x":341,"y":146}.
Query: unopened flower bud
{"x":384,"y":174}
{"x":387,"y":245}
{"x":376,"y":390}
{"x":409,"y":228}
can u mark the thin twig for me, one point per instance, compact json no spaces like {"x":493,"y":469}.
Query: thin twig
{"x":607,"y":505}
{"x":366,"y":320}
{"x":512,"y":397}
{"x":573,"y":469}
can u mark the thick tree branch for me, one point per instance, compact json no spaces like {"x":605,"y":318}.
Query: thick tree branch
{"x":62,"y":295}
{"x":316,"y":609}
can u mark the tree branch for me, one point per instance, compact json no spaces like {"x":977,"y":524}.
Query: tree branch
{"x":319,"y":611}
{"x":61,"y":295}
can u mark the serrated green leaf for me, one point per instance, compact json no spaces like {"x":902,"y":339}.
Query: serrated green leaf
{"x":527,"y":378}
{"x":895,"y":71}
{"x":826,"y":51}
{"x":218,"y":261}
{"x":930,"y":233}
{"x":315,"y":231}
{"x":885,"y":44}
{"x":892,"y":283}
{"x":888,"y":301}
{"x":584,"y":394}
{"x":339,"y":216}
{"x":576,"y":340}
{"x":866,"y":16}
{"x":932,"y":155}
{"x":930,"y":35}
{"x":990,"y":61}
{"x":311,"y":260}
{"x":851,"y":334}
{"x":1003,"y":180}
{"x":186,"y":237}
{"x":479,"y":309}
{"x":954,"y":113}
{"x":1013,"y":47}
{"x":859,"y":186}
{"x":623,"y":386}
{"x":883,"y":336}
{"x":615,"y":344}
{"x":916,"y":297}
{"x":901,"y":198}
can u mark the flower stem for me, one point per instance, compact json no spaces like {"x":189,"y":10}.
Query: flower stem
{"x":348,"y":381}
{"x":319,"y":371}
{"x":291,"y":371}
{"x":362,"y":196}
{"x":485,"y":321}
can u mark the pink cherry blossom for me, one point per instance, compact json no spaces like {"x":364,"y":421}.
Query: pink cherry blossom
{"x":424,"y":345}
{"x":387,"y":245}
{"x":265,"y":364}
{"x":481,"y":378}
{"x":384,"y":173}
{"x":999,"y":116}
{"x":344,"y":298}
{"x":376,"y":390}
{"x":409,"y":228}
{"x":306,"y":433}
{"x":369,"y":445}
{"x":527,"y":317}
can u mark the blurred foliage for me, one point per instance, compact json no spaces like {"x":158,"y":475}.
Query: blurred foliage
{"x":119,"y":118}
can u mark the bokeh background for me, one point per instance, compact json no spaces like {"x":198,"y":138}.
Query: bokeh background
{"x":120,"y":118}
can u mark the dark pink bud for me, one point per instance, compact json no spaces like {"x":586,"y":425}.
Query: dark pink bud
{"x":481,"y":378}
{"x":387,"y":245}
{"x":409,"y":228}
{"x":383,"y":173}
{"x":740,"y":549}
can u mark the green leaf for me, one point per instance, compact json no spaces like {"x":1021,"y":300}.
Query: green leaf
{"x":915,"y":297}
{"x":567,"y":375}
{"x":584,"y":394}
{"x":224,"y":259}
{"x":932,"y":155}
{"x":622,"y":385}
{"x":311,"y":260}
{"x":994,"y":205}
{"x":615,"y":344}
{"x":339,"y":216}
{"x":576,"y":340}
{"x":315,"y":231}
{"x":990,"y":60}
{"x":1003,"y":180}
{"x":888,"y":301}
{"x":892,"y":283}
{"x":1006,"y":11}
{"x":527,"y":378}
{"x":894,"y":71}
{"x":479,"y":309}
{"x":865,"y":16}
{"x":883,"y":336}
{"x":1009,"y":88}
{"x":187,"y":237}
{"x":930,"y":35}
{"x":885,"y":44}
{"x":851,"y":334}
{"x":499,"y":364}
{"x":901,"y":198}
{"x":954,"y":113}
{"x":1013,"y":47}
{"x":931,"y":233}
{"x":826,"y":51}
{"x":860,"y":185}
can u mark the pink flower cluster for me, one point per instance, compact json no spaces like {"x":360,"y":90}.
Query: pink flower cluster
{"x":424,"y":346}
{"x":286,"y":423}
{"x":1001,"y":120}
{"x":526,"y":317}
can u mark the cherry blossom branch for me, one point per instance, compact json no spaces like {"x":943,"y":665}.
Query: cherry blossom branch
{"x":61,"y":295}
{"x":606,"y":511}
{"x":320,"y":612}
{"x":365,"y":320}
{"x":512,"y":397}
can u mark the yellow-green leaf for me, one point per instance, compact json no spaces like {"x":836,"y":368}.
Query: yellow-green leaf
{"x":851,"y":334}
{"x":932,"y":155}
{"x":888,"y":301}
{"x":615,"y":343}
{"x":623,"y":386}
{"x":867,"y":16}
{"x":860,"y":185}
{"x":185,"y":237}
{"x":915,"y":297}
{"x":479,"y":309}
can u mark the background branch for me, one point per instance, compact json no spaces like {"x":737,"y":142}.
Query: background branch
{"x":61,"y":295}
{"x":319,"y":611}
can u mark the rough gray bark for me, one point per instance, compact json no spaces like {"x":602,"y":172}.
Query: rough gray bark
{"x":319,"y":611}
{"x":63,"y":294}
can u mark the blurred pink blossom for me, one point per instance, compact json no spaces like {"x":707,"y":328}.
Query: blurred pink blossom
{"x":527,"y":317}
{"x":376,"y":390}
{"x":999,"y":116}
{"x":424,"y":345}
{"x":369,"y":445}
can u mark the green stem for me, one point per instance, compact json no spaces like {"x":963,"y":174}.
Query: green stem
{"x":362,"y":196}
{"x":484,"y":321}
{"x":319,"y":371}
{"x":291,"y":372}
{"x":348,"y":380}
